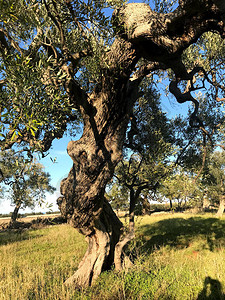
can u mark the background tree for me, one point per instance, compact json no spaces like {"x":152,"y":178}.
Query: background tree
{"x":118,"y":196}
{"x":25,"y":182}
{"x":213,"y":180}
{"x":179,"y":188}
{"x":63,"y":61}
{"x":148,"y":145}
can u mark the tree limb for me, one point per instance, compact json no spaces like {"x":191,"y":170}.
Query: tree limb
{"x":3,"y":35}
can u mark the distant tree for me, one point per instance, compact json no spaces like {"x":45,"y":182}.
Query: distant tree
{"x":213,"y":180}
{"x":178,"y":188}
{"x":148,"y":144}
{"x":25,"y":182}
{"x":196,"y":143}
{"x":118,"y":196}
{"x":195,"y":147}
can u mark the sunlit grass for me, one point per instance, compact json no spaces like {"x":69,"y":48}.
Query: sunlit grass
{"x":175,"y":257}
{"x":36,"y":266}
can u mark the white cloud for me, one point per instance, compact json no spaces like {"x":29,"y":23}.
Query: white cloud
{"x":6,"y":207}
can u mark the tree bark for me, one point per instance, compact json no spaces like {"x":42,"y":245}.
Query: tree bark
{"x":221,"y":208}
{"x":133,"y":200}
{"x":86,"y":208}
{"x":105,"y":115}
{"x":146,"y":206}
{"x":15,"y":213}
{"x":101,"y":246}
{"x":120,"y":258}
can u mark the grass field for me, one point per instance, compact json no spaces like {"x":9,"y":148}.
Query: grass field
{"x":177,"y":256}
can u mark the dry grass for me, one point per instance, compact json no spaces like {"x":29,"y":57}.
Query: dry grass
{"x":28,"y":219}
{"x":176,"y":257}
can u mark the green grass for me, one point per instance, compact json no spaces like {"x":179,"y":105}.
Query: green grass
{"x":176,"y":257}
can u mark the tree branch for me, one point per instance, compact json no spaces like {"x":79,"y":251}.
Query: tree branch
{"x":203,"y":159}
{"x":3,"y":35}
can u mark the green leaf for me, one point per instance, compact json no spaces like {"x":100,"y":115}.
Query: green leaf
{"x":32,"y":131}
{"x":14,"y":136}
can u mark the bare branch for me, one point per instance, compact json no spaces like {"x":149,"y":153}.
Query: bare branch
{"x":186,"y":96}
{"x":220,"y":145}
{"x":220,"y":99}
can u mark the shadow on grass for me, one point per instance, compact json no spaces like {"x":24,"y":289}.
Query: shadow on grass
{"x":212,"y":290}
{"x":12,"y":236}
{"x":180,"y":233}
{"x":19,"y":231}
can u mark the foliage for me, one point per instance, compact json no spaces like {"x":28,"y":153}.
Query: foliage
{"x":25,"y":181}
{"x":118,"y":196}
{"x":37,"y":39}
{"x":165,"y":6}
{"x":194,"y":145}
{"x":213,"y":178}
{"x":193,"y":190}
{"x":179,"y":188}
{"x":209,"y":53}
{"x":148,"y":145}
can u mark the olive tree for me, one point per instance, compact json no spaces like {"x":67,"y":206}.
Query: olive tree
{"x":213,"y":180}
{"x":65,"y":61}
{"x":24,"y":181}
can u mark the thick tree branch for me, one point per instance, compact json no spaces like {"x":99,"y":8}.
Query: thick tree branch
{"x":6,"y":41}
{"x":163,"y":37}
{"x":186,"y":96}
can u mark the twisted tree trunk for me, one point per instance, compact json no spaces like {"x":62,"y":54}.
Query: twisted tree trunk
{"x":85,"y":206}
{"x":106,"y":112}
{"x":101,"y":245}
{"x":105,"y":115}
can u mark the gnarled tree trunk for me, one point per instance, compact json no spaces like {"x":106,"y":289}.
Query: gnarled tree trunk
{"x":160,"y":39}
{"x":95,"y":155}
{"x":85,"y":206}
{"x":101,"y":245}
